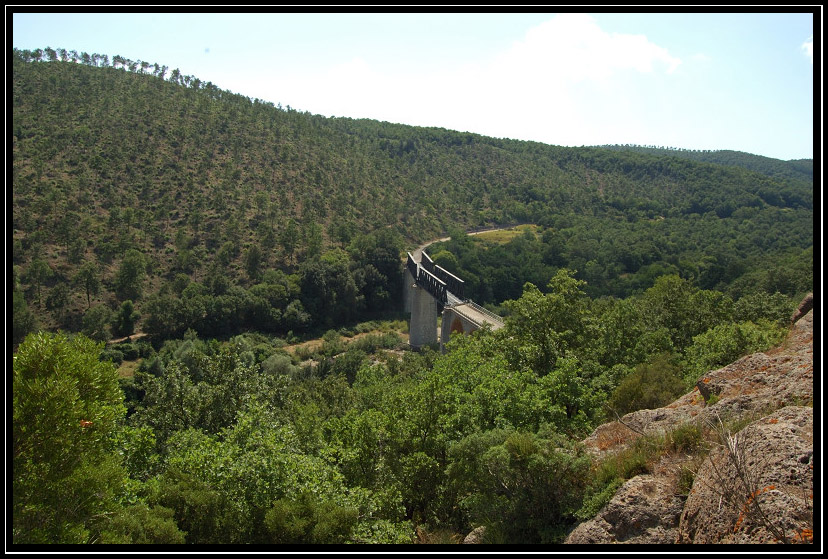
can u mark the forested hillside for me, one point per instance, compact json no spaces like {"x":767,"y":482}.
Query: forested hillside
{"x":224,"y":230}
{"x":127,"y":175}
{"x":801,"y":169}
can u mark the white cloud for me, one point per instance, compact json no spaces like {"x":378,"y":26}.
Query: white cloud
{"x":573,"y":46}
{"x":545,"y":87}
{"x":808,"y":48}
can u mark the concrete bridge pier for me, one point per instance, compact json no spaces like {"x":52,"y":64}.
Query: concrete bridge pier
{"x":423,"y":328}
{"x":408,"y":292}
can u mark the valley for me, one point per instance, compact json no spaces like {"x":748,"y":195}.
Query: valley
{"x":209,"y":337}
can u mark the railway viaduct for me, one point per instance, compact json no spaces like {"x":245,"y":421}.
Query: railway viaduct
{"x":430,"y":291}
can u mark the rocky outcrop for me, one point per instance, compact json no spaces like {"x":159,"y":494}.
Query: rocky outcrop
{"x":768,"y":497}
{"x":806,"y":305}
{"x":644,"y":510}
{"x":760,"y":488}
{"x":476,"y":535}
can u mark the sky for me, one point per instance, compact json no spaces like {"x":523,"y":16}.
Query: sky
{"x":738,"y":81}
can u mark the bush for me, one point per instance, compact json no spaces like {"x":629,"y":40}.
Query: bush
{"x":725,"y":343}
{"x":652,"y":385}
{"x":372,"y":342}
{"x":66,"y":406}
{"x":140,"y":524}
{"x":775,"y":308}
{"x":113,"y":355}
{"x":128,"y":350}
{"x":307,"y":520}
{"x":348,"y":364}
{"x":597,"y":499}
{"x":686,"y":478}
{"x":278,"y":364}
{"x":685,"y":438}
{"x":522,"y":487}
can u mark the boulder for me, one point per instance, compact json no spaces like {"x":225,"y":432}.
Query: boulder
{"x":645,"y":510}
{"x":757,"y":489}
{"x":476,"y":535}
{"x":804,"y":307}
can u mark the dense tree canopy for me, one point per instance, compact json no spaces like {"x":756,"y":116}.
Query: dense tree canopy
{"x":228,"y":230}
{"x":122,"y":158}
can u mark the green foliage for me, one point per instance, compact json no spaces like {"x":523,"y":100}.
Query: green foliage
{"x":547,"y":326}
{"x":138,"y":445}
{"x":207,"y":393}
{"x":130,"y":276}
{"x":230,"y":173}
{"x":597,"y":499}
{"x":126,"y":316}
{"x":201,"y":512}
{"x":254,"y":485}
{"x":57,"y":299}
{"x":66,"y":404}
{"x":229,"y":441}
{"x":36,"y":275}
{"x":278,"y":364}
{"x":650,"y":386}
{"x":577,"y":401}
{"x":113,"y":355}
{"x":524,"y":487}
{"x":253,"y":262}
{"x":761,"y":305}
{"x":687,"y":438}
{"x":686,"y":478}
{"x":142,"y":524}
{"x":684,"y":311}
{"x":308,"y":521}
{"x":725,"y":343}
{"x":96,"y":323}
{"x":328,"y":289}
{"x":23,"y":319}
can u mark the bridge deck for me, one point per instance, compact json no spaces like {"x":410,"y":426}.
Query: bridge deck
{"x":478,"y":315}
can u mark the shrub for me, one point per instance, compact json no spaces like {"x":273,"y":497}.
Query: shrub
{"x":522,"y":487}
{"x":685,"y":481}
{"x":112,"y":355}
{"x":650,"y":386}
{"x":307,"y":520}
{"x":685,"y":438}
{"x":140,"y":524}
{"x":129,"y":351}
{"x":278,"y":364}
{"x":725,"y":343}
{"x":597,"y":498}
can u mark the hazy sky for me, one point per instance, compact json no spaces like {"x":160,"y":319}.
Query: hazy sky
{"x":736,"y":81}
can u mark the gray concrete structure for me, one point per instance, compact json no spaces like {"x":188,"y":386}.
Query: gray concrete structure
{"x":430,"y":290}
{"x":465,"y":318}
{"x":408,"y":292}
{"x":422,"y":330}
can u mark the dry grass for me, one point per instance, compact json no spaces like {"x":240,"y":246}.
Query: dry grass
{"x":503,"y":236}
{"x":613,"y":435}
{"x":437,"y":537}
{"x":128,"y":368}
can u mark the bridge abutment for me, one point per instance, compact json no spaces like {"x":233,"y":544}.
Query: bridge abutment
{"x":453,"y":323}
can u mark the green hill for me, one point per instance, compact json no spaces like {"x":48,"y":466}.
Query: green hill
{"x":798,"y":169}
{"x":115,"y":159}
{"x":223,"y":230}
